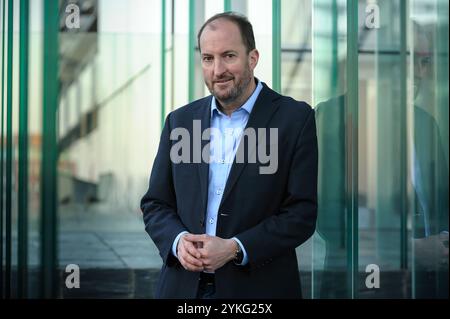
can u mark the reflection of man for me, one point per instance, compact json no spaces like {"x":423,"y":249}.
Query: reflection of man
{"x":225,"y":230}
{"x":430,"y":178}
{"x":330,"y":117}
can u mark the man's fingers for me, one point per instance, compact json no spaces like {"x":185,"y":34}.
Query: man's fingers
{"x":192,"y":253}
{"x":193,"y":261}
{"x":190,"y":263}
{"x":195,"y":238}
{"x":182,"y":261}
{"x":189,"y":260}
{"x":202,"y":252}
{"x":190,"y":248}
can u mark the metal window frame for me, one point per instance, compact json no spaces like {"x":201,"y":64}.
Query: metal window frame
{"x":163,"y":62}
{"x":276,"y":45}
{"x":22,"y":280}
{"x":191,"y":52}
{"x":351,"y":138}
{"x":49,"y":274}
{"x":8,"y":167}
{"x":1,"y":150}
{"x":227,"y":5}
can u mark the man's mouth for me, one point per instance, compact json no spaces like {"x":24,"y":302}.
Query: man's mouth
{"x":222,"y":81}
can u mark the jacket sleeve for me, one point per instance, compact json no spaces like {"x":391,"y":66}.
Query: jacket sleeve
{"x":296,"y":220}
{"x":158,"y":205}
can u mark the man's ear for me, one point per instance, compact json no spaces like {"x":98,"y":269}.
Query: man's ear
{"x":253,"y":58}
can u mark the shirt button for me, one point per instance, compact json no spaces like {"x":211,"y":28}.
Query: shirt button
{"x":222,"y":161}
{"x":211,"y":221}
{"x":219,"y":191}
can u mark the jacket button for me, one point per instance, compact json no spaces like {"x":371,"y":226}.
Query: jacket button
{"x":202,"y":223}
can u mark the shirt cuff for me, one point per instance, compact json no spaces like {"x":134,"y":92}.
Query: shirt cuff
{"x":175,"y":243}
{"x":245,"y":259}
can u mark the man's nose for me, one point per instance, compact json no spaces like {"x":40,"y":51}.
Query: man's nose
{"x":219,"y":67}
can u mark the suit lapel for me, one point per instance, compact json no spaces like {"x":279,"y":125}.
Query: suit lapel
{"x":203,"y":114}
{"x":259,"y":117}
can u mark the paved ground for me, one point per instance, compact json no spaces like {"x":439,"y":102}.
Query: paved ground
{"x":94,"y":239}
{"x":117,"y":258}
{"x":98,"y":237}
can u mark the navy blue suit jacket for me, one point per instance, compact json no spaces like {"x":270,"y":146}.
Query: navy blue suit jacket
{"x":270,"y":214}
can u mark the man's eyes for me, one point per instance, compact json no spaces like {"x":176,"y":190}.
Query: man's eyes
{"x":228,"y":56}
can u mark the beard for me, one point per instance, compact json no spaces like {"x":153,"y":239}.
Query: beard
{"x":236,"y":91}
{"x":424,"y":93}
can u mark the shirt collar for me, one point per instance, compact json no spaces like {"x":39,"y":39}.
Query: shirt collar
{"x":247,"y":106}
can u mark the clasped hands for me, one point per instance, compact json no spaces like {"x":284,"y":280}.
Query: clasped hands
{"x":205,"y":252}
{"x":432,"y":252}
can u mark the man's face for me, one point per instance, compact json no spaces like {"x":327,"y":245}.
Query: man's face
{"x":424,"y":78}
{"x":227,"y":68}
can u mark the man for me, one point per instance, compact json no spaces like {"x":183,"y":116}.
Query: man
{"x":227,"y":228}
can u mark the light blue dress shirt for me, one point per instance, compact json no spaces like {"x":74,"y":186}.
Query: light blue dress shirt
{"x":226,"y":132}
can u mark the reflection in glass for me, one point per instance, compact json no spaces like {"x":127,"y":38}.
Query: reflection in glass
{"x":429,"y":159}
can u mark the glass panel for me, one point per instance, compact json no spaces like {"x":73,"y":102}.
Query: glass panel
{"x":109,"y":124}
{"x":296,"y":58}
{"x":9,"y":150}
{"x":330,"y":244}
{"x":259,"y":14}
{"x":296,"y":81}
{"x":34,"y":148}
{"x":14,"y":149}
{"x":178,"y":59}
{"x":382,"y":148}
{"x":429,"y":151}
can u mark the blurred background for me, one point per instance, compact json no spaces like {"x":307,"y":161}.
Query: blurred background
{"x":86,"y":85}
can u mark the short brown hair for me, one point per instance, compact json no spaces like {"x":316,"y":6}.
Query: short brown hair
{"x":241,"y":21}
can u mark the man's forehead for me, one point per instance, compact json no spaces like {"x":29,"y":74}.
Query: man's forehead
{"x":219,"y":23}
{"x":222,"y":27}
{"x":223,"y":33}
